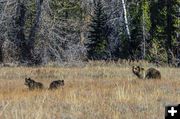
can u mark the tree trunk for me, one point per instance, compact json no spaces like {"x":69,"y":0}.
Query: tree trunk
{"x":125,"y":19}
{"x":21,"y":41}
{"x":144,"y":37}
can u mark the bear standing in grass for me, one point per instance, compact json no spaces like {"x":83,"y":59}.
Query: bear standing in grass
{"x":56,"y":84}
{"x":150,"y":73}
{"x":33,"y":84}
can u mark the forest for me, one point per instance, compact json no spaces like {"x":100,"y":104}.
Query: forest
{"x":37,"y":32}
{"x":89,"y":59}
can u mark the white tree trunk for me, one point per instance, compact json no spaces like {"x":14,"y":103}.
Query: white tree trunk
{"x":125,"y":19}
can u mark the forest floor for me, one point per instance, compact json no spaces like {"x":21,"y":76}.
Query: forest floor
{"x":94,"y":91}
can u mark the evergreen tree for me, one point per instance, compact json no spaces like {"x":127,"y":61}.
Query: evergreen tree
{"x":172,"y":28}
{"x":164,"y":30}
{"x":157,"y":52}
{"x":135,"y":11}
{"x":146,"y":25}
{"x":139,"y":28}
{"x":98,"y":37}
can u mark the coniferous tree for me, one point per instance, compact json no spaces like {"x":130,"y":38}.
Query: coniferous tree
{"x":135,"y":11}
{"x":139,"y":29}
{"x":164,"y":30}
{"x":157,"y":51}
{"x":98,"y":37}
{"x":172,"y":28}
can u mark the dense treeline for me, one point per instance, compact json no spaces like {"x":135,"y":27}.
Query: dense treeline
{"x":41,"y":31}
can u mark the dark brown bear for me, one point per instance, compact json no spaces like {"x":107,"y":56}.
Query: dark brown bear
{"x":150,"y":73}
{"x":56,"y":84}
{"x":33,"y":84}
{"x":153,"y":73}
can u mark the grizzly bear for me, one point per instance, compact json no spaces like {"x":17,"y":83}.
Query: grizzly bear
{"x":56,"y":84}
{"x":150,"y":73}
{"x":33,"y":84}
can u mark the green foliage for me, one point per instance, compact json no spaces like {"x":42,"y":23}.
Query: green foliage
{"x":30,"y":16}
{"x":138,"y":12}
{"x":66,"y":9}
{"x":153,"y":25}
{"x":157,"y":30}
{"x":146,"y":12}
{"x":172,"y":28}
{"x":157,"y":53}
{"x":136,"y":29}
{"x":98,"y":40}
{"x":164,"y":28}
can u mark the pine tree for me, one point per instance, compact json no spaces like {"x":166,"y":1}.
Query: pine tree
{"x":139,"y":28}
{"x":164,"y":30}
{"x":157,"y":51}
{"x":146,"y":25}
{"x":135,"y":11}
{"x":172,"y":28}
{"x":97,"y":38}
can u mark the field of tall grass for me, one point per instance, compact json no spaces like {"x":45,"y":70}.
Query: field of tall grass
{"x":97,"y":90}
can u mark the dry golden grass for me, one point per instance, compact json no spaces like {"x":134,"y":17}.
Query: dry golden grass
{"x":95,"y":91}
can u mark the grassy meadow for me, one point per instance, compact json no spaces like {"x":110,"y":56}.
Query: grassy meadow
{"x":97,"y":90}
